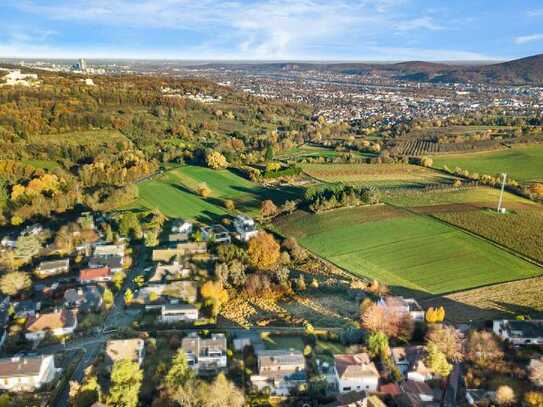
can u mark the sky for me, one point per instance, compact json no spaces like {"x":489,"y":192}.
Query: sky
{"x":434,"y":30}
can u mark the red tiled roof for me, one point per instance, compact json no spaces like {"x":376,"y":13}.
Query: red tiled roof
{"x":92,"y":274}
{"x":53,"y":320}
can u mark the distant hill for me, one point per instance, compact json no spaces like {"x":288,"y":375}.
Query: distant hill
{"x":518,"y":72}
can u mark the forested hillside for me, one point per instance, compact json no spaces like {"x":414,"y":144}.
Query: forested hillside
{"x":66,"y":143}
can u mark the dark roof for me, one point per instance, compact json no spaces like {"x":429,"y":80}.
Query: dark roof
{"x":17,"y":367}
{"x":412,"y":386}
{"x":529,"y":329}
{"x":107,"y":261}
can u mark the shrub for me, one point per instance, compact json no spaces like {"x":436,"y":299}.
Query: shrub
{"x":216,"y":160}
{"x":203,"y":190}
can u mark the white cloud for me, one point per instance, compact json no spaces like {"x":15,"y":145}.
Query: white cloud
{"x":409,"y":54}
{"x":245,"y":28}
{"x":526,"y":39}
{"x":426,"y":23}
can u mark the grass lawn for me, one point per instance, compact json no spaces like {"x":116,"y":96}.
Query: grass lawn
{"x":45,"y":164}
{"x":334,"y":347}
{"x":523,"y":163}
{"x":415,"y":255}
{"x":283,"y":342}
{"x":174,"y":193}
{"x":386,"y":175}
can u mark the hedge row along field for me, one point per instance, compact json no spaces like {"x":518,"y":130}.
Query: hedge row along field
{"x":415,"y":255}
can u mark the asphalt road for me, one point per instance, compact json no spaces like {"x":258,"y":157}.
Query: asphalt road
{"x":117,"y":317}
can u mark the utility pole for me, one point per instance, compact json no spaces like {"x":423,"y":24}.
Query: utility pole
{"x":504,"y":175}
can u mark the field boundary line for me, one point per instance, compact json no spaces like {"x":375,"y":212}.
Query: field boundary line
{"x":482,"y":238}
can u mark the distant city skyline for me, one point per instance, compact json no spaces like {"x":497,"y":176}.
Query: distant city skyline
{"x":317,"y":30}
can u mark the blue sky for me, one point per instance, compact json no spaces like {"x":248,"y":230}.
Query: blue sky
{"x":272,"y":29}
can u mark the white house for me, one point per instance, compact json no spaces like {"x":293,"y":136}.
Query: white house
{"x":356,"y":373}
{"x":245,"y":227}
{"x":58,"y":323}
{"x":171,"y":313}
{"x":182,"y":227}
{"x":205,"y":355}
{"x":53,"y":268}
{"x":519,"y":332}
{"x":26,"y":373}
{"x":279,"y":370}
{"x":217,"y":233}
{"x":410,"y":362}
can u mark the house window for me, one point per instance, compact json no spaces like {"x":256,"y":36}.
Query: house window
{"x":347,"y":389}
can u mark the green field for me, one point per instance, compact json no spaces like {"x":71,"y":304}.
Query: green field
{"x":482,"y":196}
{"x":384,"y":175}
{"x":174,"y":193}
{"x":522,"y":163}
{"x":414,"y":254}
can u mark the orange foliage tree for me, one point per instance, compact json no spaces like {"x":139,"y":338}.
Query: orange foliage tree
{"x":264,"y":251}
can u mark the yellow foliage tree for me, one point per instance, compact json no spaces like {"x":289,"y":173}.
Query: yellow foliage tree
{"x":264,"y":251}
{"x":273,"y":166}
{"x":537,"y":188}
{"x":435,"y":315}
{"x":214,"y":293}
{"x":216,"y":160}
{"x":203,"y":190}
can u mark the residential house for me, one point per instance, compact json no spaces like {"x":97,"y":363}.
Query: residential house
{"x":95,"y":275}
{"x":52,"y":268}
{"x":217,"y":233}
{"x":168,"y":272}
{"x":182,"y":249}
{"x":410,"y":362}
{"x":182,"y":226}
{"x":177,"y":237}
{"x":153,"y":296}
{"x":109,"y":250}
{"x":87,"y":298}
{"x":33,"y":230}
{"x":245,"y":227}
{"x":58,"y":323}
{"x":420,"y":389}
{"x":27,"y":373}
{"x":172,"y":313}
{"x":111,"y":256}
{"x":404,"y":306}
{"x":519,"y":332}
{"x":356,"y":373}
{"x":26,"y":308}
{"x":130,"y":349}
{"x":205,"y":355}
{"x":279,"y":370}
{"x":9,"y":241}
{"x":114,"y":263}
